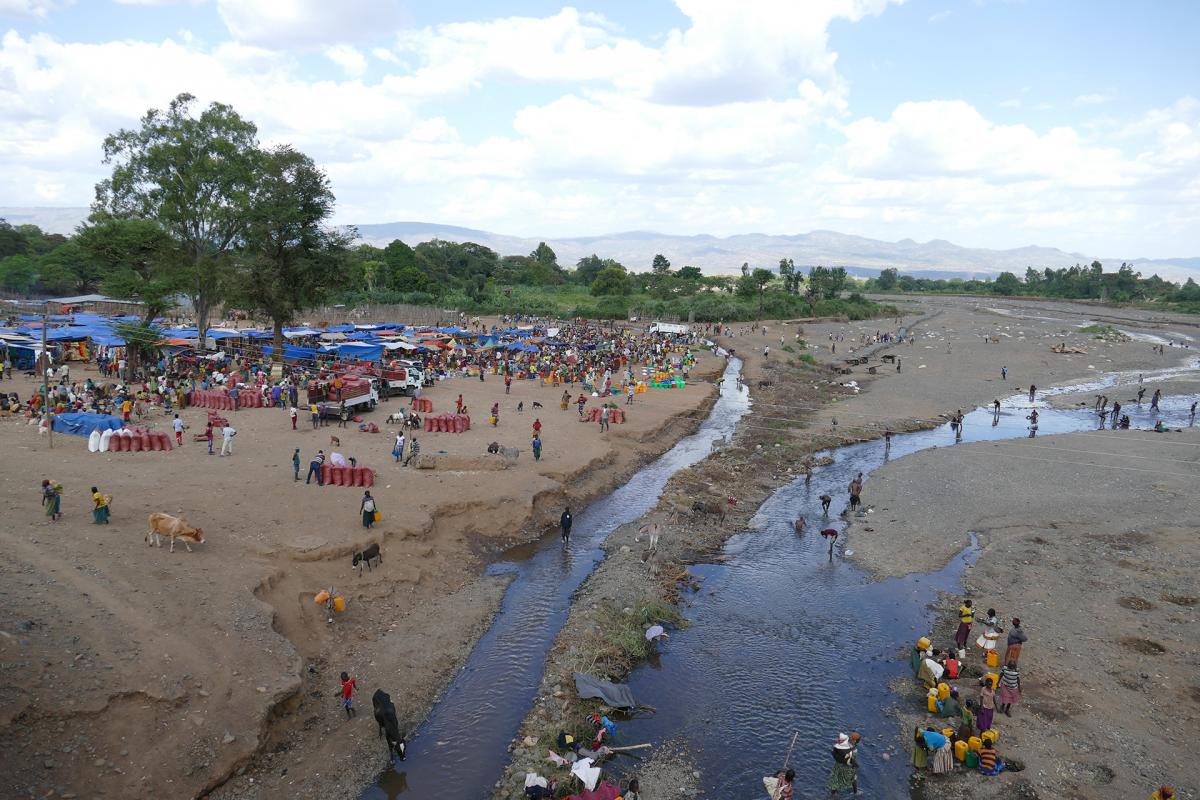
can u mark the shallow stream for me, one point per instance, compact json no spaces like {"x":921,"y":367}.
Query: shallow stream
{"x":785,"y":637}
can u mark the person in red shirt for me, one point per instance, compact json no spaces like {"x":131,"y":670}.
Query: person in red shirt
{"x":537,"y":425}
{"x":348,"y":686}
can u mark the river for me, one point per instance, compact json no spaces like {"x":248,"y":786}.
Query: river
{"x":784,"y":636}
{"x":464,"y":741}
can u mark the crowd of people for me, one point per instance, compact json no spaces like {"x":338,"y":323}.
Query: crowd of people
{"x":968,"y":734}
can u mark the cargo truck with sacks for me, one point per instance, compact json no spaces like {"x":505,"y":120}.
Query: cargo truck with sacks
{"x":343,"y":396}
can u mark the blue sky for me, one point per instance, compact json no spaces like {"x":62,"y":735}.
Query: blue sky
{"x":990,"y":123}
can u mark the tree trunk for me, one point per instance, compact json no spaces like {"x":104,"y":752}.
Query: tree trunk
{"x":277,"y":353}
{"x":201,"y":306}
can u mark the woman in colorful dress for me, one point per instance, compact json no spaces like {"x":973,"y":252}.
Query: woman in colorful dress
{"x":100,"y":507}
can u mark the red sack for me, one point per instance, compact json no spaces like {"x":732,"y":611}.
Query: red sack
{"x":135,"y":443}
{"x":166,"y":441}
{"x":368,"y":476}
{"x":467,"y":417}
{"x":335,"y":476}
{"x":145,"y":439}
{"x":325,"y":472}
{"x":428,"y":424}
{"x":356,"y":476}
{"x":117,"y":443}
{"x":460,"y":424}
{"x":152,"y":442}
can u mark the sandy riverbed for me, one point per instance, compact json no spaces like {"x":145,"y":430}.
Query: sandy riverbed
{"x":1090,"y":539}
{"x":135,"y":671}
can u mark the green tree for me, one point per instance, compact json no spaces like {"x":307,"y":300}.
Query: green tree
{"x":68,"y":268}
{"x":1006,"y":283}
{"x":761,"y":277}
{"x":545,"y":256}
{"x":138,"y":261}
{"x":660,"y":265}
{"x":398,"y":257}
{"x":887,"y":279}
{"x":588,"y":268}
{"x":611,"y":280}
{"x":291,"y":260}
{"x":194,"y":176}
{"x":17,"y":273}
{"x":12,"y":243}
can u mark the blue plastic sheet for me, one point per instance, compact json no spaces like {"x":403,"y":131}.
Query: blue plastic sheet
{"x":81,"y":424}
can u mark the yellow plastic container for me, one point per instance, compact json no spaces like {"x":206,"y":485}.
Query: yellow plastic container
{"x":993,"y":659}
{"x":931,"y":701}
{"x":994,"y":678}
{"x":339,"y":603}
{"x":943,"y":690}
{"x":991,"y":733}
{"x":321,"y":597}
{"x":960,"y":750}
{"x":974,"y":743}
{"x":948,"y":733}
{"x":923,"y":643}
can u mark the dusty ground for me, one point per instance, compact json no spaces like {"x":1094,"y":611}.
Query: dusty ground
{"x":131,"y":671}
{"x":1091,"y":542}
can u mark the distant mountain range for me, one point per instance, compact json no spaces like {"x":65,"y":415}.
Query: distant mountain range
{"x":723,"y":255}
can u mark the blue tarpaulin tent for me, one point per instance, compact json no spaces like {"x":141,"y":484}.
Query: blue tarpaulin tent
{"x":83,"y":424}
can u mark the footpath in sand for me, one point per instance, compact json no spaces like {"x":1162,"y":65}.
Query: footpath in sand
{"x":130,"y":671}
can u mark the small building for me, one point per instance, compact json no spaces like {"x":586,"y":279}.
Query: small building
{"x":95,"y":304}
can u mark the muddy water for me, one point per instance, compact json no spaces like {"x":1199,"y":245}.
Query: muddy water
{"x":787,"y":638}
{"x":461,"y":750}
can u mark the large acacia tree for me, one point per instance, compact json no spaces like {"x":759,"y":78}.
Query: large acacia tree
{"x":290,"y":259}
{"x":194,"y":176}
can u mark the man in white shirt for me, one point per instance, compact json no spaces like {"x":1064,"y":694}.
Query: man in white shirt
{"x":227,"y":434}
{"x":177,"y":424}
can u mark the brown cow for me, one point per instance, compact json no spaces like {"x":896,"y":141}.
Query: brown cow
{"x":173,"y":528}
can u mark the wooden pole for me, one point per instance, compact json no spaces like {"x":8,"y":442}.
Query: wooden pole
{"x":789,"y":752}
{"x":629,"y":747}
{"x":46,"y":377}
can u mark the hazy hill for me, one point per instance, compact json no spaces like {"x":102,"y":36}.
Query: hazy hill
{"x":716,"y":255}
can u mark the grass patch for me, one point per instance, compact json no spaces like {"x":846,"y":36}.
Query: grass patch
{"x":617,"y":641}
{"x":1102,"y":331}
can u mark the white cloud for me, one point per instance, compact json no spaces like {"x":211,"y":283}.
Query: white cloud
{"x":1092,"y":99}
{"x":352,"y":62}
{"x":283,"y":23}
{"x":37,"y":9}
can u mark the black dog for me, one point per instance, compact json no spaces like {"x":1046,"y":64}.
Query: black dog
{"x":536,"y":404}
{"x":389,"y":727}
{"x":365,"y":557}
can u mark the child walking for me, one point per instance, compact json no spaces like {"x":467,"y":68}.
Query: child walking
{"x":347,"y":691}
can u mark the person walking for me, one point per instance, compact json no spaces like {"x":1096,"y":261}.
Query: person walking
{"x":227,"y":434}
{"x":315,"y":411}
{"x":414,"y":450}
{"x":296,"y":463}
{"x":208,"y":437}
{"x":508,"y":384}
{"x":1032,"y":392}
{"x":604,"y":419}
{"x":398,"y":447}
{"x":347,"y":694}
{"x":52,"y":500}
{"x":1010,"y":688}
{"x":537,"y":426}
{"x":100,"y":508}
{"x":1004,"y":373}
{"x":294,"y":414}
{"x":564,"y":525}
{"x":314,"y":468}
{"x":629,"y":391}
{"x":368,"y":509}
{"x":1154,"y":400}
{"x":536,"y":445}
{"x":177,"y":424}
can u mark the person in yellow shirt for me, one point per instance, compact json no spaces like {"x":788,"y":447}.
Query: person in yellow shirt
{"x":966,"y":615}
{"x":1163,"y":793}
{"x":100,"y":510}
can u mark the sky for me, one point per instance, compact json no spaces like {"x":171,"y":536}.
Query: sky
{"x":990,"y":123}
